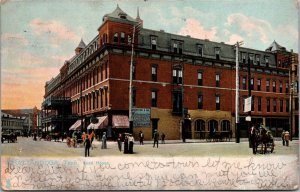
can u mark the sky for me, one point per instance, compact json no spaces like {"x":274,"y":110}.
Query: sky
{"x":37,"y":36}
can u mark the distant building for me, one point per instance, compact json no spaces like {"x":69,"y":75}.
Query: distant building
{"x":175,"y":79}
{"x":25,"y":120}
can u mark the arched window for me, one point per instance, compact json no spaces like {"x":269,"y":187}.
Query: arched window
{"x":116,"y":38}
{"x":225,"y":125}
{"x":199,"y":125}
{"x":213,"y":124}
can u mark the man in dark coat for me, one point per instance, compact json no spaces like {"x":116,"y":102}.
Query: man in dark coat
{"x":126,"y":144}
{"x":141,"y":136}
{"x":155,"y":138}
{"x":87,"y":144}
{"x":253,"y":139}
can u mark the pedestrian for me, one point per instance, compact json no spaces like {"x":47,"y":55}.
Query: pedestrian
{"x":119,"y":139}
{"x":286,"y":138}
{"x":126,"y":144}
{"x":163,"y":136}
{"x":282,"y":137}
{"x":87,"y":144}
{"x":253,"y":139}
{"x":91,"y":137}
{"x":155,"y":138}
{"x":141,"y":136}
{"x":104,"y":146}
{"x":131,"y":141}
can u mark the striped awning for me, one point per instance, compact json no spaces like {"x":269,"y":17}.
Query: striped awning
{"x":120,"y":121}
{"x":102,"y":123}
{"x":76,"y":125}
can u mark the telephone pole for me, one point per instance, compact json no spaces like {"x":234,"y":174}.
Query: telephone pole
{"x":237,"y":109}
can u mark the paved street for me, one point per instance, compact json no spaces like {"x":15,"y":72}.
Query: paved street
{"x":27,"y":147}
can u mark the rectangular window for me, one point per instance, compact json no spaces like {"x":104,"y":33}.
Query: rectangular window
{"x":153,"y":43}
{"x":244,"y":83}
{"x":281,"y":105}
{"x":200,"y":50}
{"x":268,"y":85}
{"x":280,"y":86}
{"x":122,"y":37}
{"x":286,"y":87}
{"x":154,"y":73}
{"x":177,"y":102}
{"x":252,"y":83}
{"x":218,"y":102}
{"x":259,"y":103}
{"x":274,"y":86}
{"x":217,"y":80}
{"x":154,"y":99}
{"x":200,"y":101}
{"x":258,"y":84}
{"x":274,"y":105}
{"x":177,"y":76}
{"x":200,"y":78}
{"x":253,"y":103}
{"x":217,"y":52}
{"x":116,"y":38}
{"x":287,"y":105}
{"x":268,"y":105}
{"x":296,"y":104}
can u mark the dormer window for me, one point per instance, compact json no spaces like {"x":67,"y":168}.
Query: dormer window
{"x":177,"y":47}
{"x":257,"y":59}
{"x":200,"y":50}
{"x":116,"y":37}
{"x":244,"y":57}
{"x":153,"y":43}
{"x":122,"y":15}
{"x":267,"y":61}
{"x":217,"y":52}
{"x":251,"y":59}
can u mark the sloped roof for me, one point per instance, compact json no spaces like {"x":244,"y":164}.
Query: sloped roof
{"x":81,"y":44}
{"x":275,"y":47}
{"x":117,"y":13}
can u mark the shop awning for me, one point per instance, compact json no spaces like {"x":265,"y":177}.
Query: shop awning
{"x":120,"y":121}
{"x":76,"y":125}
{"x":102,"y":123}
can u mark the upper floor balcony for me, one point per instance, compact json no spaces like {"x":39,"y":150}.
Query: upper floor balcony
{"x":55,"y":102}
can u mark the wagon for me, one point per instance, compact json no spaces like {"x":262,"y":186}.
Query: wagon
{"x":9,"y":137}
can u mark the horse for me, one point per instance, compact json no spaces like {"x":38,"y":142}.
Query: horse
{"x":264,"y":139}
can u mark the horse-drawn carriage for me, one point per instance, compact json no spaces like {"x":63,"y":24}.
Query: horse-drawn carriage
{"x":264,"y":141}
{"x":9,"y":137}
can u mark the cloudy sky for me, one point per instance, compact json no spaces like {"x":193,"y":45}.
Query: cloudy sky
{"x":37,"y":36}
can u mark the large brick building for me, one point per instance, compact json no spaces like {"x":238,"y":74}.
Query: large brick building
{"x":172,"y":75}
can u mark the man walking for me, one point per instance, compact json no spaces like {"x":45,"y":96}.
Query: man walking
{"x":141,"y":136}
{"x":252,"y":139}
{"x":155,"y":137}
{"x":87,"y":144}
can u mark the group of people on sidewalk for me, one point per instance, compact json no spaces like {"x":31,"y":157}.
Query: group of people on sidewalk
{"x":127,"y":138}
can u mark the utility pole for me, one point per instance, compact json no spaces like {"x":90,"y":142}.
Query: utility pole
{"x":81,"y":114}
{"x":237,"y":118}
{"x":291,"y":82}
{"x":182,"y":104}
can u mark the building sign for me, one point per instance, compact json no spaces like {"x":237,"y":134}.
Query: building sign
{"x":141,"y":117}
{"x":248,"y":104}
